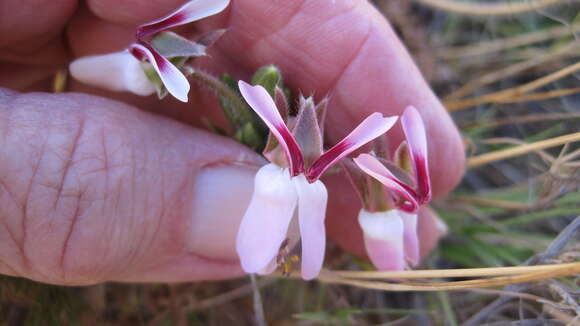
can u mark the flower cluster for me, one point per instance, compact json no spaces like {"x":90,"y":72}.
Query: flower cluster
{"x":283,"y":185}
{"x":278,"y":189}
{"x":290,"y":184}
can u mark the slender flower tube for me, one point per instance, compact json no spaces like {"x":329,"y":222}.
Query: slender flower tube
{"x":391,"y":235}
{"x":280,"y":189}
{"x":122,"y":71}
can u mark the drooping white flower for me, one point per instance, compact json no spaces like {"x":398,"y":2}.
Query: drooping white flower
{"x":123,"y":71}
{"x":391,"y":235}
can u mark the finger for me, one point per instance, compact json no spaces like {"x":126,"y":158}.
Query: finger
{"x":132,"y":12}
{"x":430,"y":230}
{"x":92,"y":190}
{"x":30,"y":33}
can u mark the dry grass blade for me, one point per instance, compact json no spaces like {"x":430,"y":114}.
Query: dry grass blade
{"x":489,"y":9}
{"x":565,"y":318}
{"x":499,"y":97}
{"x":521,"y":149}
{"x":526,"y":296}
{"x":504,"y":204}
{"x":445,"y":273}
{"x":511,"y":70}
{"x":545,"y":80}
{"x":521,"y":120}
{"x":60,"y":81}
{"x":482,"y":48}
{"x":568,"y":269}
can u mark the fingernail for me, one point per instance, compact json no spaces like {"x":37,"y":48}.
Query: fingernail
{"x":220,"y":198}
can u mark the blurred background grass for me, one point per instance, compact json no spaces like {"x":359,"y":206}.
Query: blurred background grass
{"x":503,"y":213}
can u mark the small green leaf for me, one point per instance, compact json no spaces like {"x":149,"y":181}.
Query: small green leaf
{"x":249,"y":136}
{"x":154,"y":78}
{"x":234,"y":107}
{"x":307,"y":132}
{"x":171,"y":45}
{"x":269,"y":77}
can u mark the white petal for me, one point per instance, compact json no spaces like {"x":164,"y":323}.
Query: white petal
{"x":410,"y":237}
{"x":383,"y":235}
{"x":264,"y":226}
{"x":118,"y":71}
{"x":312,"y":199}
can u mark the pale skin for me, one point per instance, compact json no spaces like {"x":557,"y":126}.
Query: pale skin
{"x":115,"y":187}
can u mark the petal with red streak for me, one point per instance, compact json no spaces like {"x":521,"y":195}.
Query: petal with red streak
{"x":191,"y":11}
{"x":263,"y":104}
{"x":371,"y":127}
{"x":175,"y":82}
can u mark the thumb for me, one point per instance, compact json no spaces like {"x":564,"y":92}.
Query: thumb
{"x":93,"y":190}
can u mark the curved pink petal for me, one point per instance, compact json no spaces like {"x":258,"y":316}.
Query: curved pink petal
{"x":265,"y":223}
{"x":312,"y":198}
{"x":191,"y":11}
{"x":410,"y":237}
{"x":263,"y":104}
{"x":371,"y":127}
{"x":414,"y":130}
{"x":175,"y":82}
{"x":383,"y":236}
{"x":371,"y":166}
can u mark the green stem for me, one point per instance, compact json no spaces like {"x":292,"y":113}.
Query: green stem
{"x":242,"y":114}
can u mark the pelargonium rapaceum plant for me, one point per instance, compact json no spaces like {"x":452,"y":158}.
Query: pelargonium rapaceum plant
{"x":149,"y":66}
{"x":389,"y":220}
{"x":283,"y":185}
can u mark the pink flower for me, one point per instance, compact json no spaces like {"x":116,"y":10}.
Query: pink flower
{"x":391,"y":236}
{"x":278,"y":190}
{"x":120,"y":71}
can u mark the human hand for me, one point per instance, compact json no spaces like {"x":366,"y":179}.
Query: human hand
{"x":93,"y":190}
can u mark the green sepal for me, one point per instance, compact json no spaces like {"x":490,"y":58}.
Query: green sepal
{"x":154,"y":78}
{"x":171,"y":45}
{"x":402,"y":157}
{"x":307,"y":132}
{"x":269,"y":77}
{"x":249,"y":136}
{"x":321,"y":109}
{"x":211,"y":37}
{"x":235,"y":108}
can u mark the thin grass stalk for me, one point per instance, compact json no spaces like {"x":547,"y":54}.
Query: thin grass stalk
{"x":446,"y":273}
{"x":511,"y":70}
{"x":482,"y":48}
{"x":542,"y":117}
{"x":329,"y":277}
{"x":489,"y":9}
{"x":522,"y":149}
{"x":516,"y":98}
